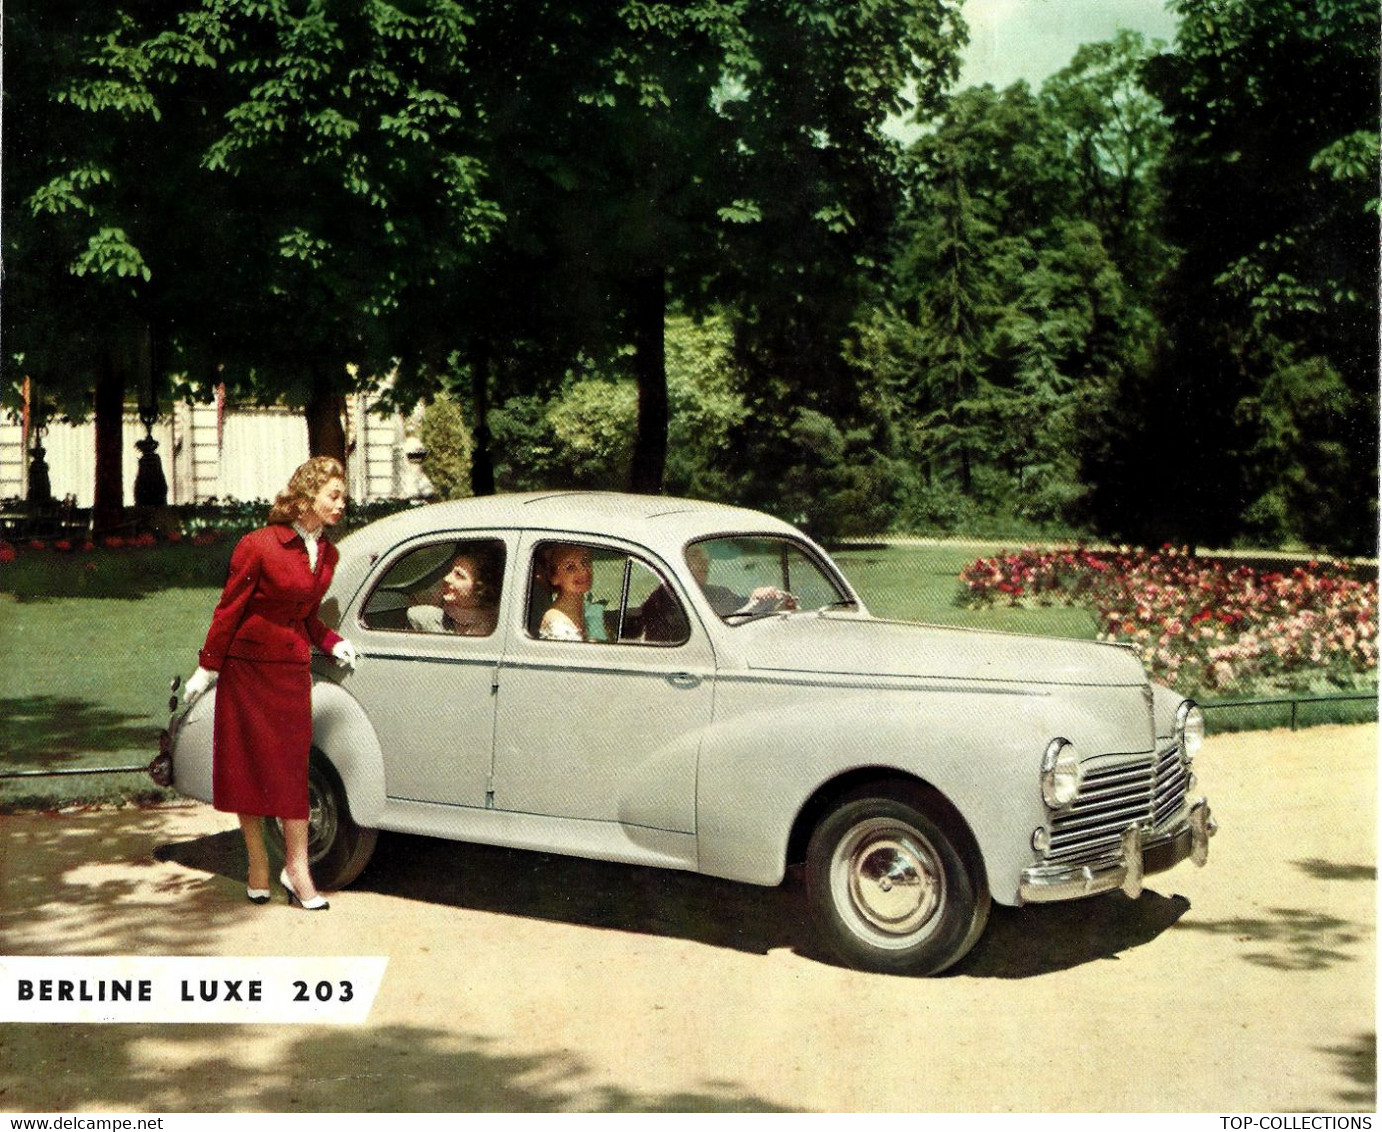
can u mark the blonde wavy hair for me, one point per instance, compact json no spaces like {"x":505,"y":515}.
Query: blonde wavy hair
{"x":303,"y":486}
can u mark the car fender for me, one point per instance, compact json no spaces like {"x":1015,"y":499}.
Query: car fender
{"x":981,"y":750}
{"x":190,"y":739}
{"x":342,"y":732}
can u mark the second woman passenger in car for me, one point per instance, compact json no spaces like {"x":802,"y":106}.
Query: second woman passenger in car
{"x":568,"y":572}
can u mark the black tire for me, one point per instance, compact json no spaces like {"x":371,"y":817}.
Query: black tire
{"x":337,"y":849}
{"x":895,"y":884}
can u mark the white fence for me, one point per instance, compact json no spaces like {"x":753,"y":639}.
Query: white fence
{"x":214,"y":450}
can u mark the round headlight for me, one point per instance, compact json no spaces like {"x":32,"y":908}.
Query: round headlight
{"x":1061,"y":773}
{"x":1189,"y":730}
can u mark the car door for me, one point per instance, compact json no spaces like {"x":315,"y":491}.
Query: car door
{"x":425,"y":681}
{"x":605,"y":730}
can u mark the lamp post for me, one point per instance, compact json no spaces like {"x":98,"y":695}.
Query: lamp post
{"x":40,"y":488}
{"x":150,"y":485}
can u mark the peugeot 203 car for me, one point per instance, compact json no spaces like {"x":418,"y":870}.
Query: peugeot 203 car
{"x":732,"y":709}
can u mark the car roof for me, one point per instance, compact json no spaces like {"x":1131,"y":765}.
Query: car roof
{"x":658,"y":520}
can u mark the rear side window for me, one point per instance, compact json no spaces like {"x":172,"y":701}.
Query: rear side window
{"x":447,"y":586}
{"x":585,"y":592}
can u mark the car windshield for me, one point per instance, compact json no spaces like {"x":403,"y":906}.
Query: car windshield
{"x":750,"y":576}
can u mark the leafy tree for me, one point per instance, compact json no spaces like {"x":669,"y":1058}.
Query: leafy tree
{"x":705,"y":405}
{"x":305,"y":164}
{"x":820,"y":182}
{"x":1112,"y":136}
{"x":343,"y":161}
{"x":581,"y":438}
{"x":85,"y":307}
{"x":1271,"y":308}
{"x":443,"y":433}
{"x":1009,"y":324}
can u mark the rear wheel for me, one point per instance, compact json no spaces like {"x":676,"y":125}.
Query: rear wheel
{"x":337,"y":849}
{"x":894,"y":883}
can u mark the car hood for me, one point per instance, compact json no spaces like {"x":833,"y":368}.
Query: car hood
{"x":863,"y":646}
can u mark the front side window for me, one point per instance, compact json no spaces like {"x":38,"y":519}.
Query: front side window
{"x":746,"y":576}
{"x":583,"y":592}
{"x":449,"y":586}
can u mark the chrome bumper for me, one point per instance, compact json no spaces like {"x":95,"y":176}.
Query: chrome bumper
{"x":1137,"y":857}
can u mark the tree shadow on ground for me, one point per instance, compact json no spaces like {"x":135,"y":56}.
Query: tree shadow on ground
{"x":78,"y":874}
{"x":70,"y":1068}
{"x":1358,"y":1063}
{"x":1298,"y":939}
{"x":1019,"y":943}
{"x":48,"y":732}
{"x":1317,"y":869}
{"x":1289,"y":939}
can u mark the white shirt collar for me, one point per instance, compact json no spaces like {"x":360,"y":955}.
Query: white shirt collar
{"x":309,"y":539}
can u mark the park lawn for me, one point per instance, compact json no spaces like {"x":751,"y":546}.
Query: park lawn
{"x":84,"y":683}
{"x":920,"y":581}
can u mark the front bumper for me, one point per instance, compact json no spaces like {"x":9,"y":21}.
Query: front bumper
{"x":1138,"y":855}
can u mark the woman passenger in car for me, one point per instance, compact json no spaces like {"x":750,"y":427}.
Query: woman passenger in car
{"x":567,"y":569}
{"x":466,"y":603}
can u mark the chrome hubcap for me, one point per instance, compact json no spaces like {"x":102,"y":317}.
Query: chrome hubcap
{"x":888,"y":881}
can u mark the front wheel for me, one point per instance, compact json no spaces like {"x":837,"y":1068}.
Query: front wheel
{"x":337,"y":849}
{"x":894,"y":883}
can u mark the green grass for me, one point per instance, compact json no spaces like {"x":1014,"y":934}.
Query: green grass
{"x":920,"y":582}
{"x":84,"y":683}
{"x":130,"y":572}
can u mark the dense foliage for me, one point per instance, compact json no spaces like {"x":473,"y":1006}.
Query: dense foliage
{"x":674,"y":246}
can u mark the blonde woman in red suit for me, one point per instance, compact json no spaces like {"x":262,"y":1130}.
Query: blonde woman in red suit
{"x":258,"y":653}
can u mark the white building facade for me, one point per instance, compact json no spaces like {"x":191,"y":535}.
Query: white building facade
{"x":218,"y":451}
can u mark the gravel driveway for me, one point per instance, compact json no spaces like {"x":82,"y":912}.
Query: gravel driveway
{"x":522,"y":982}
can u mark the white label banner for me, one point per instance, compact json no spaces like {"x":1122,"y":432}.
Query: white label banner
{"x":331,"y":990}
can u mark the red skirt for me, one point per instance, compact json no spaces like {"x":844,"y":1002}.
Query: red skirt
{"x":261,"y":738}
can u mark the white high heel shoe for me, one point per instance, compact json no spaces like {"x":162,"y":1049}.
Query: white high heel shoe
{"x":257,"y":895}
{"x":318,"y":903}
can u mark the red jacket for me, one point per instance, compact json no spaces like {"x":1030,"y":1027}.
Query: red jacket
{"x":268,"y":610}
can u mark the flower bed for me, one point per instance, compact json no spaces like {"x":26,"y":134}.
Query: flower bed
{"x":1204,"y":625}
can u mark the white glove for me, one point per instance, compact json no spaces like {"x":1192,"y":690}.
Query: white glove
{"x":199,"y":682}
{"x":344,"y":652}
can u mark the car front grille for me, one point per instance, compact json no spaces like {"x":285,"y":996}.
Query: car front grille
{"x":1147,"y":792}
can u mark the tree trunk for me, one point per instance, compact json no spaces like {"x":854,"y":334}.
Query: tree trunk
{"x":649,"y":312}
{"x":108,"y":511}
{"x":326,"y":419}
{"x":481,"y":454}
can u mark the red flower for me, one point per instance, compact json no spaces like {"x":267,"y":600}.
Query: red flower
{"x":7,"y":552}
{"x":115,"y":542}
{"x":37,"y":544}
{"x":62,"y":544}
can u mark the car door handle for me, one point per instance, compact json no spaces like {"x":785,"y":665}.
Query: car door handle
{"x":683,"y":680}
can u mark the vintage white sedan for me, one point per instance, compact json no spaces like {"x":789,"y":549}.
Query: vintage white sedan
{"x":731,"y":708}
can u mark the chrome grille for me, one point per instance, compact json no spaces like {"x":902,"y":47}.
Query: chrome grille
{"x":1144,"y":791}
